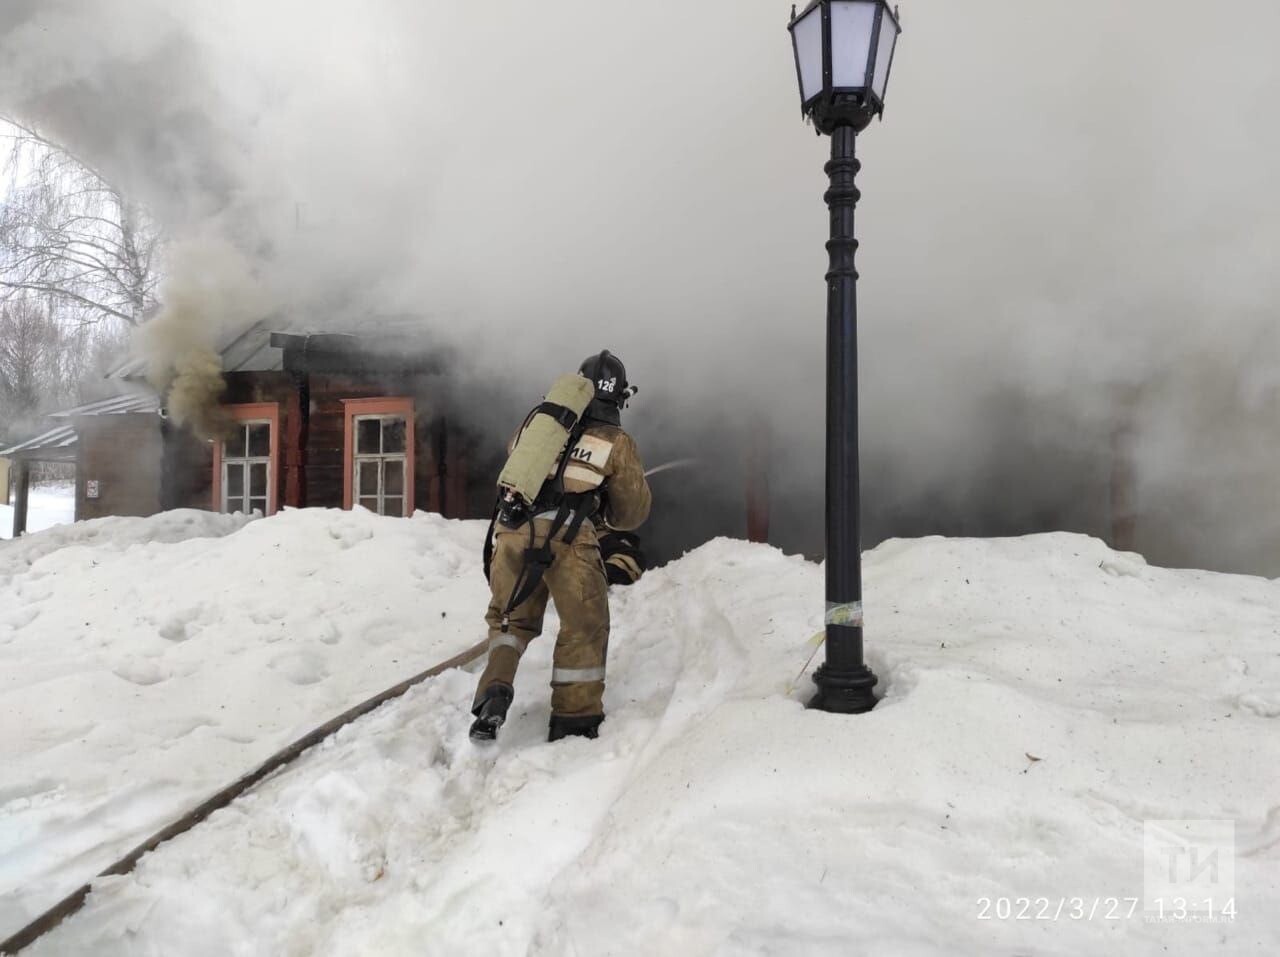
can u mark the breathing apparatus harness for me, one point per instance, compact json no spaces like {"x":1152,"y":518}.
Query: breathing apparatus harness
{"x":571,"y":509}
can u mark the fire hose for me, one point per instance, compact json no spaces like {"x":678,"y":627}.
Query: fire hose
{"x":76,"y":899}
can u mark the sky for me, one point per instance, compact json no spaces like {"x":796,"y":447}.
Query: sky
{"x":1068,"y":224}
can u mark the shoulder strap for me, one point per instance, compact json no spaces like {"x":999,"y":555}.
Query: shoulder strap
{"x":487,"y":553}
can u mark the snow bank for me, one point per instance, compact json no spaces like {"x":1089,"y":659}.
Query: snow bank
{"x":111,"y":536}
{"x":1043,"y":697}
{"x":144,"y":663}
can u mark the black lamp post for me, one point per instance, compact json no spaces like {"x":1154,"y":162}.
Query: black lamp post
{"x":843,"y":49}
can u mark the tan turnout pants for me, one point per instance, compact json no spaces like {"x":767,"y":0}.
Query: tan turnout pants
{"x":576,"y":583}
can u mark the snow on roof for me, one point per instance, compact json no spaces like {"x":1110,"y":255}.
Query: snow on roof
{"x":63,"y":437}
{"x":250,"y":349}
{"x":128,"y":369}
{"x":116,"y":405}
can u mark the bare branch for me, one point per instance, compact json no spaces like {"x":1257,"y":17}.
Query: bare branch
{"x":73,"y":297}
{"x":66,"y":232}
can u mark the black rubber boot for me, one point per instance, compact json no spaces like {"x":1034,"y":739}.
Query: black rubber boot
{"x":491,"y":712}
{"x":583,"y":727}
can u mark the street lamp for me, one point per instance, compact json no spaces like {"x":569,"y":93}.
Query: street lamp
{"x":843,"y":50}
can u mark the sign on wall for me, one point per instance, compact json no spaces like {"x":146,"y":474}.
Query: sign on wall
{"x":91,"y":488}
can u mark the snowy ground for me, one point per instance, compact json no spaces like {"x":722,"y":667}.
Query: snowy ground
{"x":145,"y":662}
{"x":49,"y":504}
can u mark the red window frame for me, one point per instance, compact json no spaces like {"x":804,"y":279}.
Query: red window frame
{"x":269,"y":411}
{"x":385,"y":405}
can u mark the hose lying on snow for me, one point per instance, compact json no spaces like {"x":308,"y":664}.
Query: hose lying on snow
{"x":75,"y":900}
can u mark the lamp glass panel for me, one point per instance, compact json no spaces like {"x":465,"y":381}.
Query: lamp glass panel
{"x":807,"y":37}
{"x":884,"y":54}
{"x":852,"y":24}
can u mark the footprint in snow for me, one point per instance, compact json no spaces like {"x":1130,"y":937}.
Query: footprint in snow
{"x":21,"y":618}
{"x":382,"y":630}
{"x":1264,"y":705}
{"x":142,"y":673}
{"x":1123,"y":566}
{"x":300,"y":668}
{"x":186,"y":623}
{"x":174,"y":630}
{"x":236,"y":737}
{"x":25,"y":794}
{"x":349,"y":536}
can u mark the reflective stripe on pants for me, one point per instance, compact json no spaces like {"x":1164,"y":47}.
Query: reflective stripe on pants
{"x":576,"y":583}
{"x":568,"y":676}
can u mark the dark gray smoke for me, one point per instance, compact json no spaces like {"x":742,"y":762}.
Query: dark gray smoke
{"x":1069,"y":226}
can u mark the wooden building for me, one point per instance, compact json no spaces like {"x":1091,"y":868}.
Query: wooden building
{"x":324,"y":420}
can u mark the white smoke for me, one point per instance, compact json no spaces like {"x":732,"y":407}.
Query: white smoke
{"x":1063,"y":205}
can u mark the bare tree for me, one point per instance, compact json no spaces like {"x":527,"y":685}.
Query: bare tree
{"x":69,"y":234}
{"x":30,"y":359}
{"x":45,"y":362}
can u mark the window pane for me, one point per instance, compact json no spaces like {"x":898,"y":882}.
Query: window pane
{"x":393,"y":435}
{"x":259,"y":440}
{"x":370,"y":503}
{"x":258,"y":479}
{"x":235,"y":486}
{"x":259,"y":504}
{"x":393,"y":505}
{"x":368,"y":478}
{"x":367,"y":433}
{"x":233,"y":447}
{"x":393,"y":478}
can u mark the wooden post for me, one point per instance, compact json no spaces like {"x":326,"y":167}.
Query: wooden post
{"x":294,"y":447}
{"x":436,"y":477}
{"x":455,"y":479}
{"x":22,"y":488}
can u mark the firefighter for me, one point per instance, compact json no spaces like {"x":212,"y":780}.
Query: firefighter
{"x":604,"y":479}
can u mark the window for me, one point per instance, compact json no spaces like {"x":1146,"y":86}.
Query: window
{"x":245,"y":460}
{"x":246,"y":468}
{"x":379,"y":460}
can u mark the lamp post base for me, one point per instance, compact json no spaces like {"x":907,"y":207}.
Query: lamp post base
{"x":844,"y":692}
